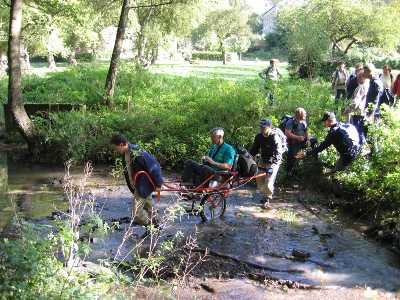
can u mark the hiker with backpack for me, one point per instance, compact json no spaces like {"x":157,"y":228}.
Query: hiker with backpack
{"x":344,"y":137}
{"x":396,"y":89}
{"x":356,"y":110}
{"x":271,"y":143}
{"x":296,"y":131}
{"x":137,"y":160}
{"x":270,"y":74}
{"x":387,"y":83}
{"x":352,"y":81}
{"x":374,"y":93}
{"x":339,"y":79}
{"x":221,"y":156}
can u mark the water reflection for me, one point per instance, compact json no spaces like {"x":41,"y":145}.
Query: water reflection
{"x":27,"y":191}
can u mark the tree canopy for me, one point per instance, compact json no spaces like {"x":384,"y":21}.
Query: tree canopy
{"x":322,"y":28}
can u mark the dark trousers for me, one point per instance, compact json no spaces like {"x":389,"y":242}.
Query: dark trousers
{"x":358,"y":122}
{"x":346,"y":159}
{"x":195,"y":173}
{"x":340,"y":93}
{"x":293,"y":149}
{"x":296,"y":147}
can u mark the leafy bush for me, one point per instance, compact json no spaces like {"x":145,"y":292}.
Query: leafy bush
{"x":86,"y":57}
{"x":29,"y":266}
{"x":381,"y":196}
{"x":43,"y":58}
{"x":82,"y":84}
{"x":393,"y":63}
{"x":266,"y":55}
{"x":207,"y":55}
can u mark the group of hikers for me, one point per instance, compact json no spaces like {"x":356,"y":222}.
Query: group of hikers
{"x":366,"y":92}
{"x":269,"y":145}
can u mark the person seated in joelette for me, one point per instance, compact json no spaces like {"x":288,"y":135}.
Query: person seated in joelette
{"x":220,"y":157}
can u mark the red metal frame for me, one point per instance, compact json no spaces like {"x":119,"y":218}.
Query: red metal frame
{"x":222,"y":187}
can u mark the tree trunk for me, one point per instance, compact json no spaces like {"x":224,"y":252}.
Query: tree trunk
{"x":141,"y":41}
{"x":51,"y":61}
{"x":112,"y":71}
{"x":222,"y":47}
{"x":15,"y":103}
{"x":72,"y":59}
{"x":25,"y":61}
{"x":154,"y":55}
{"x":349,"y":46}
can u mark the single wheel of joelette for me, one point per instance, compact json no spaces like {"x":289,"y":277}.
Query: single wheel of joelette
{"x":212,"y":206}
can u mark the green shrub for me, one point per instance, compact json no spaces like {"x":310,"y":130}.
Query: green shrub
{"x":393,"y":63}
{"x":383,"y":195}
{"x":86,"y":57}
{"x":171,"y":115}
{"x":207,"y":55}
{"x":30,"y":269}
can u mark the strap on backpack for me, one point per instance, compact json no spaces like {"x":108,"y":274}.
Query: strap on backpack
{"x":216,"y":152}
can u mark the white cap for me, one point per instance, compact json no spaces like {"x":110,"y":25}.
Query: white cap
{"x":217,"y":131}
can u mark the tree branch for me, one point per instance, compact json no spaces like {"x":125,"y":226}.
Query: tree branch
{"x":6,"y":3}
{"x":151,"y":5}
{"x":349,"y":45}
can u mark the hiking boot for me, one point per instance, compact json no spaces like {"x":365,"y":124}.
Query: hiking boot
{"x":266,"y":203}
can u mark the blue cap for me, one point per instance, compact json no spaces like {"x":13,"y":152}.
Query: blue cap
{"x":265,"y":123}
{"x":133,"y":147}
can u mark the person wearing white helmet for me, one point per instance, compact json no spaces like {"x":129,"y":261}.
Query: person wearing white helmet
{"x":220,"y":157}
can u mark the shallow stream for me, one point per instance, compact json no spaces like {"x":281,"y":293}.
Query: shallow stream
{"x":339,"y":256}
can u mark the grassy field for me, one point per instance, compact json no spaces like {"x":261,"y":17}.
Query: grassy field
{"x":203,"y":69}
{"x":244,"y":70}
{"x":211,"y":69}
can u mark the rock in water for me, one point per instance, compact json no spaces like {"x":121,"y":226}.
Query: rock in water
{"x":300,"y":254}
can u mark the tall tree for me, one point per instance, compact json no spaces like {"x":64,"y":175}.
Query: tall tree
{"x":228,"y":25}
{"x":146,"y":11}
{"x":15,"y":101}
{"x":367,"y":23}
{"x":112,"y":71}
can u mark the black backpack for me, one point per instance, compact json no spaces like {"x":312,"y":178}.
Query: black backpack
{"x":386,"y":98}
{"x":283,"y":122}
{"x":246,"y":164}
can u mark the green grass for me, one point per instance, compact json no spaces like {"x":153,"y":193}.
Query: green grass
{"x":244,"y":70}
{"x":288,"y":216}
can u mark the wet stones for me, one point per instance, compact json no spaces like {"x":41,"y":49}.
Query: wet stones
{"x":300,"y":254}
{"x":323,"y":231}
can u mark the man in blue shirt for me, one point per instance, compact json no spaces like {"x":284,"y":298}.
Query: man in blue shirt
{"x":220,"y":157}
{"x":296,"y":131}
{"x":136,"y":160}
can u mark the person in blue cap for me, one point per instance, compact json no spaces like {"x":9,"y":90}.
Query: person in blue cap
{"x":271,"y":143}
{"x":136,"y":160}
